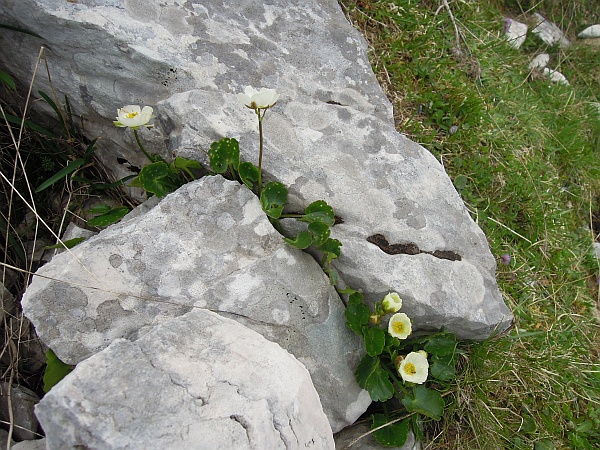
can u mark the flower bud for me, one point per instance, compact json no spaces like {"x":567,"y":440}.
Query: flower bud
{"x":375,"y":319}
{"x":391,"y":303}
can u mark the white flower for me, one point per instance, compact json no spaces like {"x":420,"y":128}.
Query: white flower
{"x":133,"y":117}
{"x":415,"y":367}
{"x":391,"y":303}
{"x":263,"y":99}
{"x":399,"y":326}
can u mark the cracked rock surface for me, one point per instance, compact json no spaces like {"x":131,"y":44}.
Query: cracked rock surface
{"x":208,"y":245}
{"x":331,"y":135}
{"x":201,"y":381}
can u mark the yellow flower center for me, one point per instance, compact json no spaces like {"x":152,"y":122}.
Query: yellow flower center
{"x":410,"y":368}
{"x":398,"y":327}
{"x":131,"y":115}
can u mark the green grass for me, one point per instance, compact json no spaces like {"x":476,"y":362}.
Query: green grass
{"x":525,"y":156}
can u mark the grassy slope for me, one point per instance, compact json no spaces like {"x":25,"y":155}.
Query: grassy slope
{"x":525,"y":157}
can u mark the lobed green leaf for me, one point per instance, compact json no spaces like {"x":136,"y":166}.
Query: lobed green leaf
{"x":248,"y":174}
{"x":302,"y":241}
{"x":224,"y":153}
{"x":319,"y":211}
{"x":320,"y":233}
{"x":425,"y":401}
{"x":392,"y":435}
{"x":272,"y":199}
{"x":441,"y":344}
{"x":374,"y":341}
{"x":370,"y":376}
{"x":157,"y":179}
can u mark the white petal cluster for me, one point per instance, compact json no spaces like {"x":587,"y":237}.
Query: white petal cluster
{"x":133,"y":116}
{"x":415,"y":367}
{"x":399,"y":326}
{"x":261,"y":99}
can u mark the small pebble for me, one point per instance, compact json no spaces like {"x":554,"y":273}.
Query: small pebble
{"x":590,"y":32}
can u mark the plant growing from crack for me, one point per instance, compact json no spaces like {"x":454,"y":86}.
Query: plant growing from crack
{"x":396,"y":366}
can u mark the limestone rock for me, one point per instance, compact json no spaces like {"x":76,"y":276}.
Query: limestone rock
{"x":208,"y":245}
{"x":199,"y":381}
{"x":596,"y":250}
{"x":516,"y":32}
{"x":590,"y":32}
{"x":38,"y":444}
{"x":548,"y":32}
{"x":22,"y":401}
{"x":4,"y":438}
{"x":540,"y":61}
{"x":555,"y":76}
{"x":331,"y":136}
{"x":381,"y":185}
{"x":306,"y":49}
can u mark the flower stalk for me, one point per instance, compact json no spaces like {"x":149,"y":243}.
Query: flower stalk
{"x":259,"y":101}
{"x":141,"y":146}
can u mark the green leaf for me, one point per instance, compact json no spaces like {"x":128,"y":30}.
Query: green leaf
{"x":186,"y":165}
{"x":69,"y":243}
{"x":356,"y":298}
{"x":112,"y":216}
{"x":425,"y":401}
{"x":7,"y":80}
{"x":357,"y":315}
{"x":460,"y":182}
{"x":91,"y":148}
{"x":441,"y":344}
{"x":272,"y":199}
{"x":332,"y":274}
{"x":61,"y":174}
{"x":393,"y":435}
{"x":55,"y":371}
{"x":302,"y":241}
{"x":584,"y":427}
{"x":102,"y":208}
{"x":30,"y":125}
{"x":528,"y":425}
{"x":319,"y":211}
{"x":370,"y":376}
{"x":320,"y":232}
{"x":224,"y":153}
{"x":544,"y":445}
{"x":331,"y":250}
{"x":442,"y":371}
{"x":157,"y":179}
{"x":348,"y":290}
{"x":57,"y":111}
{"x":374,"y":341}
{"x":104,"y":186}
{"x":136,"y":182}
{"x":248,"y":174}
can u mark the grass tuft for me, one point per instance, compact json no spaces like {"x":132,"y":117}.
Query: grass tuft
{"x":524,"y":154}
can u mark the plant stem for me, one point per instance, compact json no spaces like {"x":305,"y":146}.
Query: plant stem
{"x":139,"y":143}
{"x":260,"y":151}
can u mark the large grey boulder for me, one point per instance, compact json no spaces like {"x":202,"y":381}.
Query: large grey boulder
{"x":404,"y":229}
{"x":208,"y":245}
{"x":200,"y":381}
{"x":331,"y":136}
